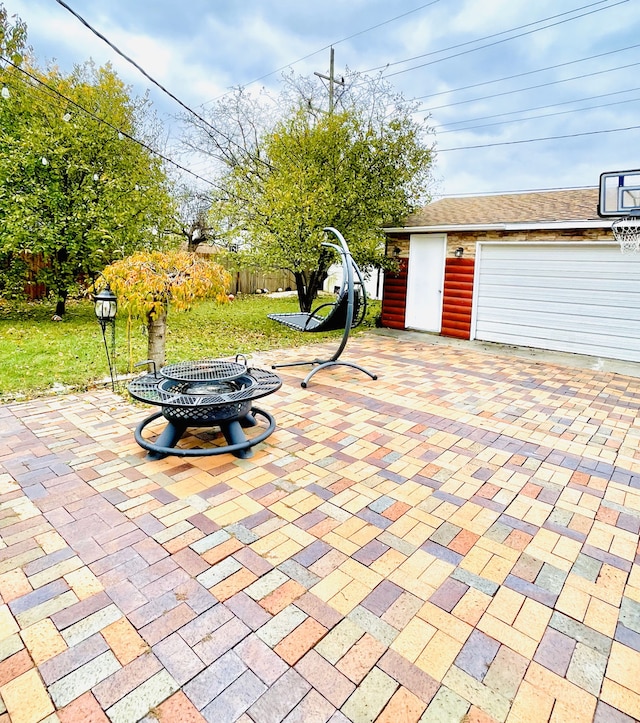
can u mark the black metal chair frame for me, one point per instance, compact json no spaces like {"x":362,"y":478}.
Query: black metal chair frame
{"x":347,"y":302}
{"x":337,"y":316}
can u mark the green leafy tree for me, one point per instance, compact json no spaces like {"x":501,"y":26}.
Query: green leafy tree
{"x":13,"y":36}
{"x":147,"y":283}
{"x":76,"y":192}
{"x":283,"y":179}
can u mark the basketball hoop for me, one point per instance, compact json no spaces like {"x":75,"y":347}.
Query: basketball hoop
{"x":626,"y":231}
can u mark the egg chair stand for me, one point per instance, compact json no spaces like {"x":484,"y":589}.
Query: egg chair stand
{"x":346,"y":312}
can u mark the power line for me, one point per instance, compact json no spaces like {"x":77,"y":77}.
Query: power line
{"x":535,"y":140}
{"x":146,"y":75}
{"x":542,"y":115}
{"x":63,"y":4}
{"x":528,"y":72}
{"x":538,"y":107}
{"x":115,"y":48}
{"x":504,"y":40}
{"x":199,"y":117}
{"x":205,"y":122}
{"x":479,"y":40}
{"x":529,"y":87}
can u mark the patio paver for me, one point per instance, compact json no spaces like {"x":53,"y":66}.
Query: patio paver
{"x":458,"y":540}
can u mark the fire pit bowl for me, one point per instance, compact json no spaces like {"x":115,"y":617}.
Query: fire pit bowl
{"x":205,"y":393}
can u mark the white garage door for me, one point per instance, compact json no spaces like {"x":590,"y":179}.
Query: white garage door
{"x":566,"y":297}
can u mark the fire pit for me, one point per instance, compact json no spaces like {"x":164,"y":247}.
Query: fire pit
{"x":205,"y":393}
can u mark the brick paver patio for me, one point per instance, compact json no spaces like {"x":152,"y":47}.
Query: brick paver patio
{"x":455,"y":541}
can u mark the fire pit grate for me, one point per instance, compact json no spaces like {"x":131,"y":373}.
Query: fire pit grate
{"x":205,"y":370}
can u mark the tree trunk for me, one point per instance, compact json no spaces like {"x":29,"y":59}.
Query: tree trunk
{"x":304,"y":300}
{"x":62,"y":258}
{"x":157,"y":329}
{"x":308,"y":286}
{"x":61,"y":303}
{"x":192,"y":243}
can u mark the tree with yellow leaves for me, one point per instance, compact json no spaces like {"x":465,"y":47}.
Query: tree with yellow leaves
{"x":148,"y":282}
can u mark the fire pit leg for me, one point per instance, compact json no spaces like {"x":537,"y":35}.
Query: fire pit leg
{"x":168,"y":438}
{"x":171,"y":434}
{"x":236,"y":437}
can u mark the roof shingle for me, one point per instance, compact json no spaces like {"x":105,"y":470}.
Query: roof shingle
{"x":535,"y":207}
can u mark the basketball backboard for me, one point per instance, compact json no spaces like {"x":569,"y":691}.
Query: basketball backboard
{"x":619,"y":193}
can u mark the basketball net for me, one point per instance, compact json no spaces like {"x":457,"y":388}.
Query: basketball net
{"x":626,"y":231}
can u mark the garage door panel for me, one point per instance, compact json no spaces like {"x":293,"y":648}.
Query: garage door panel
{"x":571,"y":278}
{"x":575,"y":272}
{"x":608,"y":294}
{"x":558,"y":335}
{"x":571,"y":297}
{"x":557,"y":325}
{"x":560,"y":252}
{"x":598,"y":305}
{"x":575,"y":345}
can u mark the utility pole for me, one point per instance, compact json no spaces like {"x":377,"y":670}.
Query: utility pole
{"x":332,"y":81}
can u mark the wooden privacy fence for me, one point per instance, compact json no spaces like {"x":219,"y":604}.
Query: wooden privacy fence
{"x":242,"y":282}
{"x":248,"y":282}
{"x":34,"y":290}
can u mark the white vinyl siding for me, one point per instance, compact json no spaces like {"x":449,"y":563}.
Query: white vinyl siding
{"x":581,"y":298}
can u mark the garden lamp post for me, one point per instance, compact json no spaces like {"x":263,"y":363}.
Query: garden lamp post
{"x":106,"y":308}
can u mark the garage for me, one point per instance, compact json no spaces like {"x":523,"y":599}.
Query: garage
{"x":574,"y":297}
{"x":538,"y":269}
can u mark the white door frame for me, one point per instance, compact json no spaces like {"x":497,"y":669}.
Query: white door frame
{"x":476,"y":290}
{"x":425,"y":292}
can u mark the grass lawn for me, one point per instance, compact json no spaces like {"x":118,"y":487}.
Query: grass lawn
{"x":39,"y":356}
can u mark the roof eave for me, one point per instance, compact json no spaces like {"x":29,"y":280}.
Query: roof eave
{"x":526,"y":226}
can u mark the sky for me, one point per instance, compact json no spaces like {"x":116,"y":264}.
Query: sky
{"x":520,"y":95}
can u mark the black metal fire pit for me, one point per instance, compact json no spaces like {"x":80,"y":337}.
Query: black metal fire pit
{"x":205,"y":393}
